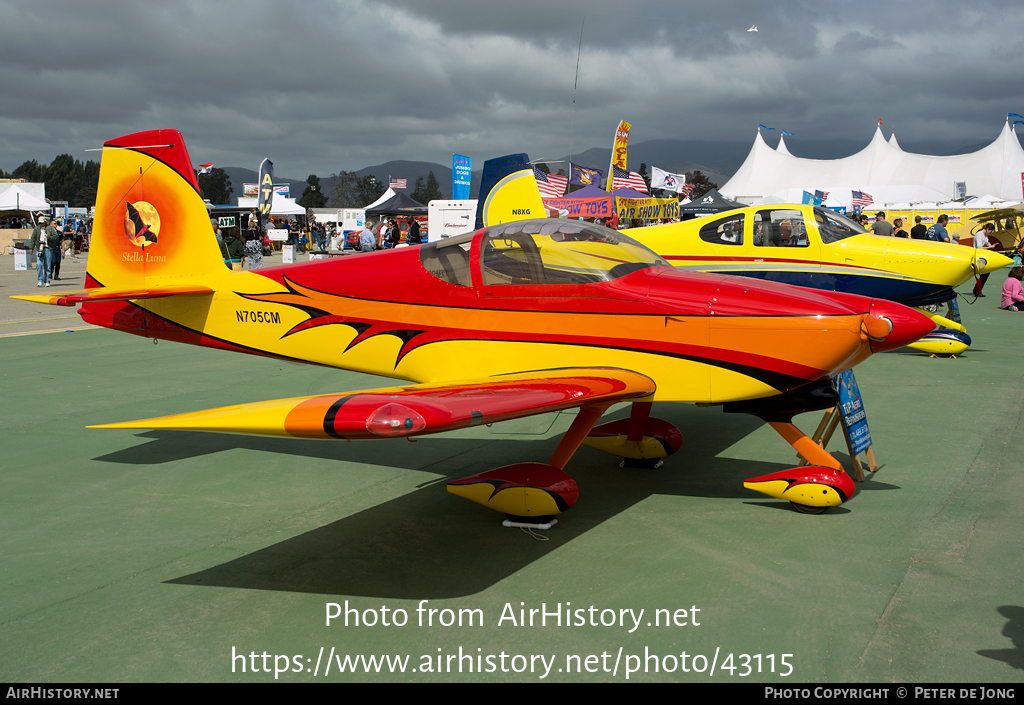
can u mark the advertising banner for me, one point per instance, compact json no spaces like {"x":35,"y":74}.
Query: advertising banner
{"x":619,"y":147}
{"x":851,"y":407}
{"x":266,"y":194}
{"x":253,"y":190}
{"x":646,"y":208}
{"x":462,"y":175}
{"x":584,"y":207}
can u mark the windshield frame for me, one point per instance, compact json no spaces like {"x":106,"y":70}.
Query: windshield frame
{"x":829,"y":234}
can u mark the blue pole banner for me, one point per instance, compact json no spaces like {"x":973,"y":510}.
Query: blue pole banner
{"x":462,"y":175}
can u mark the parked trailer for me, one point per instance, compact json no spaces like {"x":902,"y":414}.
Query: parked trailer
{"x":450,"y":218}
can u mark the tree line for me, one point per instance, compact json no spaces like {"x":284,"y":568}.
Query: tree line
{"x":66,"y":179}
{"x":348,"y":190}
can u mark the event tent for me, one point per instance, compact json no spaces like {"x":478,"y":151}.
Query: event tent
{"x":399,"y":204}
{"x":384,"y":197}
{"x":710,"y":202}
{"x":995,"y":169}
{"x":281,"y":205}
{"x":15,"y":199}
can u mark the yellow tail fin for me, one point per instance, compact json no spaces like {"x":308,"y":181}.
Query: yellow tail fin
{"x":151,"y":227}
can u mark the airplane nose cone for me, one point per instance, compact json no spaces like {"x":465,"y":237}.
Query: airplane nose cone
{"x":904,"y":323}
{"x":987,"y":261}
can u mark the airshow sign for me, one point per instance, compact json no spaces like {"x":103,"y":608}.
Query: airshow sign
{"x":462,"y":175}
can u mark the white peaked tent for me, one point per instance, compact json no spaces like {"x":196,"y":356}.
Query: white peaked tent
{"x":281,"y":205}
{"x":388,"y":195}
{"x":17,"y":199}
{"x":996,"y":169}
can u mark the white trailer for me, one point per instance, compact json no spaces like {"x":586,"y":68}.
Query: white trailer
{"x":450,"y":218}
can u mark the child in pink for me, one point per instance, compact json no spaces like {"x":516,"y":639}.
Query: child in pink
{"x":1013,"y":292}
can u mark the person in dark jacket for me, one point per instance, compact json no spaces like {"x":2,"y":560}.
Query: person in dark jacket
{"x":414,"y":232}
{"x":233,"y":249}
{"x":395,"y":234}
{"x":44,"y":241}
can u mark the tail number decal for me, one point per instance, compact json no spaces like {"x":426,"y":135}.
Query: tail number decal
{"x":258,"y":316}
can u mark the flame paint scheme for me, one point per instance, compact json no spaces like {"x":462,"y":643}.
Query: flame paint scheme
{"x":512,"y":320}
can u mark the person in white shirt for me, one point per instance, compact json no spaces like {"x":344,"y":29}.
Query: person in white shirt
{"x":981,"y":242}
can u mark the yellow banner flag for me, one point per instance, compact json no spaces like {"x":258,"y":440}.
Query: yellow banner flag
{"x":619,"y":149}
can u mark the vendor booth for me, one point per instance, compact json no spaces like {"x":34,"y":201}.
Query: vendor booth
{"x":711,"y":202}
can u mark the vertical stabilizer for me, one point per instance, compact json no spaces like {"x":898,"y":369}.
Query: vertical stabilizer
{"x":151,"y":225}
{"x":508,"y":191}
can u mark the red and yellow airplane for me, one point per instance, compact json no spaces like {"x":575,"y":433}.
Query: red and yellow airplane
{"x":517,"y":319}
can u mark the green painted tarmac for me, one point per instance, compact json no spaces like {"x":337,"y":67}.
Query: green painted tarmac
{"x":157,"y":556}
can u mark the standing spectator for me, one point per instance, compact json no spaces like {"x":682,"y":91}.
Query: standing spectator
{"x":383,"y":230}
{"x":414,"y":232}
{"x":367,"y":240}
{"x":69,"y":238}
{"x":981,"y":242}
{"x":79,"y":244}
{"x":898,"y":230}
{"x":1013,"y":292}
{"x":881,"y":226}
{"x":919,"y":231}
{"x":254,"y":240}
{"x":57,"y":254}
{"x":938,"y":232}
{"x":394,"y":232}
{"x":233,"y":250}
{"x":43,"y":236}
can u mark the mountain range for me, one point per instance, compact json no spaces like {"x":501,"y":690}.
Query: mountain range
{"x":719,"y":160}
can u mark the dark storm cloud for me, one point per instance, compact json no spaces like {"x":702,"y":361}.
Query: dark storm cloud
{"x":323,"y":85}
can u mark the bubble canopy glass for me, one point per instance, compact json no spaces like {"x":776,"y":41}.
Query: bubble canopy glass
{"x":547,"y":252}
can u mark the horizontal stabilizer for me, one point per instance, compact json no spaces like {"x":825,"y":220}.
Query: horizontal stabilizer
{"x":416,"y":409}
{"x":71,"y":298}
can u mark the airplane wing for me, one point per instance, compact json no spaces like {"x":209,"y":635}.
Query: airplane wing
{"x":70,"y":298}
{"x":415,"y":409}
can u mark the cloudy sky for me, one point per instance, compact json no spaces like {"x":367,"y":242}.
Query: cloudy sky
{"x":324,"y":85}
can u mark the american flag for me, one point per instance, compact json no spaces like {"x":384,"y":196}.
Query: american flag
{"x":627,"y":179}
{"x":862,"y":199}
{"x":821,"y":195}
{"x":550,"y":186}
{"x":397,"y":183}
{"x":685,"y":190}
{"x":206,"y":168}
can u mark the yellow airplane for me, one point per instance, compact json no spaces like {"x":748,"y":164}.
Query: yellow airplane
{"x":801,"y":245}
{"x":813,"y":247}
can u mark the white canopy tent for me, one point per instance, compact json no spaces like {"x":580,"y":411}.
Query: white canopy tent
{"x":995,"y":169}
{"x":388,"y":195}
{"x":17,"y":199}
{"x":281,"y":205}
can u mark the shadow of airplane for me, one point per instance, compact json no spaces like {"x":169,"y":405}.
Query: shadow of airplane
{"x":425,"y":545}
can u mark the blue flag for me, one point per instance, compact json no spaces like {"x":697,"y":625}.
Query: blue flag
{"x":1014,"y":115}
{"x":788,"y":134}
{"x":762,"y":127}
